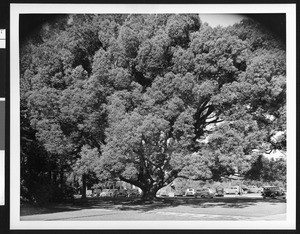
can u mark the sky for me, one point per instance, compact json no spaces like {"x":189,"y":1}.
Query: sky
{"x":221,"y":19}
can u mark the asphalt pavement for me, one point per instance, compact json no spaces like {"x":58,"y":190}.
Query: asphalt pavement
{"x":231,"y":207}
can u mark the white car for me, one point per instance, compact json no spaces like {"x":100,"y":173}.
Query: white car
{"x":190,"y":192}
{"x":254,"y":189}
{"x":107,"y":193}
{"x":89,"y":193}
{"x":233,"y":190}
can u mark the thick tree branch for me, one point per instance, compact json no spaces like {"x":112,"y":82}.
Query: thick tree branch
{"x":136,"y":183}
{"x":198,"y":179}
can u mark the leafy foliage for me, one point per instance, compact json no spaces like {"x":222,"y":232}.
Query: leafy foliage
{"x":150,"y":98}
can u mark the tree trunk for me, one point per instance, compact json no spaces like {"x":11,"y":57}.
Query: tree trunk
{"x":149,"y":190}
{"x":83,"y":186}
{"x":61,"y":181}
{"x":149,"y":193}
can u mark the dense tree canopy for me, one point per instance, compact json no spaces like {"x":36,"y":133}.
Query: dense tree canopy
{"x":150,"y":98}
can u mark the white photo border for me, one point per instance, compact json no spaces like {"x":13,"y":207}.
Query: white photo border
{"x":17,"y":9}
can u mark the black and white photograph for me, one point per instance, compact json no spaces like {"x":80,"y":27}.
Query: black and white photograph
{"x":152,"y":116}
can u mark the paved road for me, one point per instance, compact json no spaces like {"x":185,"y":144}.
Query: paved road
{"x":105,"y":214}
{"x":228,"y":208}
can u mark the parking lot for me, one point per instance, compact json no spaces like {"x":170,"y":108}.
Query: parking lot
{"x":247,"y":195}
{"x":229,"y":207}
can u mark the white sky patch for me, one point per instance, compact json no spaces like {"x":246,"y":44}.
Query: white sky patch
{"x":221,"y":19}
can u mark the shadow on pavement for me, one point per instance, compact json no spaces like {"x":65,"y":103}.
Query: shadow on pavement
{"x":125,"y":204}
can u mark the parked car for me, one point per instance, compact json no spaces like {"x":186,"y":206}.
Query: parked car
{"x":245,"y":189}
{"x":77,"y":196}
{"x":133,"y":193}
{"x":254,"y":189}
{"x":272,"y":192}
{"x":219,"y":192}
{"x":163,"y":193}
{"x":89,"y":193}
{"x":204,"y":192}
{"x":96,"y":192}
{"x":233,"y":190}
{"x":107,"y":193}
{"x":179,"y":193}
{"x":190,"y":192}
{"x":122,"y":193}
{"x":283,"y":189}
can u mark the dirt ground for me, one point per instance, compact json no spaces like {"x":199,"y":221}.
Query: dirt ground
{"x":227,"y":208}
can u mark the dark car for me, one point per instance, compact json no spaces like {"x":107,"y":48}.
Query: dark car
{"x":219,"y":192}
{"x":272,"y":192}
{"x":245,"y":190}
{"x":204,"y":192}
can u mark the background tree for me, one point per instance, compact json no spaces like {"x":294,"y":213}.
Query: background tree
{"x":56,"y":93}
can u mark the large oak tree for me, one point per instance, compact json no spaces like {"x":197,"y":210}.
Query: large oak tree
{"x":149,"y":98}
